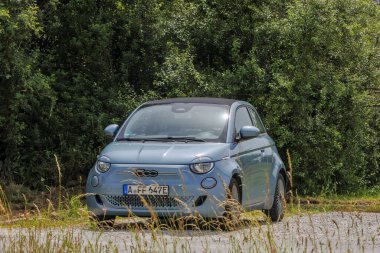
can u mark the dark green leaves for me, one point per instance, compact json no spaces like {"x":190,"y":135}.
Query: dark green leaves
{"x":69,"y":68}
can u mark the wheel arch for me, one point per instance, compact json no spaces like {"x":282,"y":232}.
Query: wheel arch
{"x":286,"y":178}
{"x":238,"y":178}
{"x":279,"y":169}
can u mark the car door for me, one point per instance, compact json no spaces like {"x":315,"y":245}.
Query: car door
{"x":250,"y":158}
{"x":266,"y":155}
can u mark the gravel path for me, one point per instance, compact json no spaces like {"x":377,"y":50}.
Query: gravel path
{"x":324,"y":232}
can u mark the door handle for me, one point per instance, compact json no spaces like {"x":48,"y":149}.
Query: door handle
{"x":262,"y":155}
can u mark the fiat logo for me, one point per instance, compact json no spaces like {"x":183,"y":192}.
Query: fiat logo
{"x":146,"y":173}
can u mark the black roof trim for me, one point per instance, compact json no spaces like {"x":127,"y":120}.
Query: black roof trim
{"x":205,"y":100}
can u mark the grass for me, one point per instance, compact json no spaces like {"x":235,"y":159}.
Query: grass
{"x":56,"y":220}
{"x":72,"y":210}
{"x":343,"y":203}
{"x":5,"y":208}
{"x":65,"y":227}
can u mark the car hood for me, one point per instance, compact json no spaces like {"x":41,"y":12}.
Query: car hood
{"x":164,"y":153}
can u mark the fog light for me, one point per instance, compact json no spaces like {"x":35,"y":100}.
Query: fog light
{"x":95,"y":181}
{"x":208,"y":183}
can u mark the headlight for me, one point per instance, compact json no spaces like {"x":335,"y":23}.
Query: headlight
{"x":103,"y":166}
{"x":201,"y":168}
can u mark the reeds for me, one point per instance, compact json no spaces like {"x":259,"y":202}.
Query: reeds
{"x":69,"y":230}
{"x":5,"y":208}
{"x":59,"y":182}
{"x":324,"y":232}
{"x":64,"y":226}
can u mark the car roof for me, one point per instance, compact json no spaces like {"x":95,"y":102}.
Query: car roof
{"x":204,"y":100}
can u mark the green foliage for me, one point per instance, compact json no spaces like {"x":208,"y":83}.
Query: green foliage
{"x":69,"y":68}
{"x":308,"y":72}
{"x":27,"y":99}
{"x":178,"y":76}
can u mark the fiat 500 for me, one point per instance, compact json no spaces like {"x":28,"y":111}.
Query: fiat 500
{"x":187,"y":156}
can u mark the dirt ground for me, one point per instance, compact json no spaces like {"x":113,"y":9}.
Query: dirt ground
{"x":323,"y":232}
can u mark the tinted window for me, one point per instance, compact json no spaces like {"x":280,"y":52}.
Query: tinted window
{"x":242,"y":118}
{"x":194,"y":120}
{"x":257,"y":121}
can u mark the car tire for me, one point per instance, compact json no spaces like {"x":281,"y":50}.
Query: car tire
{"x":233,"y":206}
{"x":276,"y":213}
{"x":104,"y":221}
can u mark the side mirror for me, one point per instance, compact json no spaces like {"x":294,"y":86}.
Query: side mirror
{"x":249,"y":132}
{"x":111,"y":130}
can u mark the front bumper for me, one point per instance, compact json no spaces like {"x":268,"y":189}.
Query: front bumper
{"x":186,"y":195}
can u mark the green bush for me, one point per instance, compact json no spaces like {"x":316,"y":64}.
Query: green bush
{"x":69,"y":68}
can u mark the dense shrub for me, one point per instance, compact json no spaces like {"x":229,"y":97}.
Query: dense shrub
{"x":70,"y":67}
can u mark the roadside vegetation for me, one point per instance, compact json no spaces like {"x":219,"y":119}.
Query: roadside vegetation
{"x":67,"y":227}
{"x":69,"y":68}
{"x":58,"y":206}
{"x":57,"y":220}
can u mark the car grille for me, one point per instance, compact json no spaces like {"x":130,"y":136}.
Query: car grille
{"x":152,"y":201}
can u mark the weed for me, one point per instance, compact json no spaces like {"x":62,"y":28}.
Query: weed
{"x":59,"y":181}
{"x":64,"y":226}
{"x":4,"y":204}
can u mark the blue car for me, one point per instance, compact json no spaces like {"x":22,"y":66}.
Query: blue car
{"x":188,"y":156}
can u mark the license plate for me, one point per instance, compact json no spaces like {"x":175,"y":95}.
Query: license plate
{"x":145,"y":189}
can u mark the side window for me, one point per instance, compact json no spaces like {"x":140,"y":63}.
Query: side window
{"x":257,"y":121}
{"x":242,"y":118}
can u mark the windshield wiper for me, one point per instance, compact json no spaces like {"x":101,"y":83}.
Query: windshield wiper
{"x":181,"y":138}
{"x":168,"y":138}
{"x":130,"y":139}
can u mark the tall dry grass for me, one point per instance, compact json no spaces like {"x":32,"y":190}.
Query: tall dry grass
{"x":64,"y":226}
{"x":334,"y":232}
{"x":5,"y":208}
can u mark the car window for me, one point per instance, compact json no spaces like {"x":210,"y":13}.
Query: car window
{"x":257,"y":121}
{"x":191,"y":120}
{"x":242,"y":118}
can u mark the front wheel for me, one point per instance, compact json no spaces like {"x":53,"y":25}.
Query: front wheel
{"x":233,"y":207}
{"x":276,"y":213}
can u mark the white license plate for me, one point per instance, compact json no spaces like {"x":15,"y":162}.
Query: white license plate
{"x":145,"y":189}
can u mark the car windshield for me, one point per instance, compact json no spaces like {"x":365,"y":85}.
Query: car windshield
{"x":177,"y":122}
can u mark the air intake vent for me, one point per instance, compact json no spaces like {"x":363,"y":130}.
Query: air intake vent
{"x":200,"y":200}
{"x":152,"y":201}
